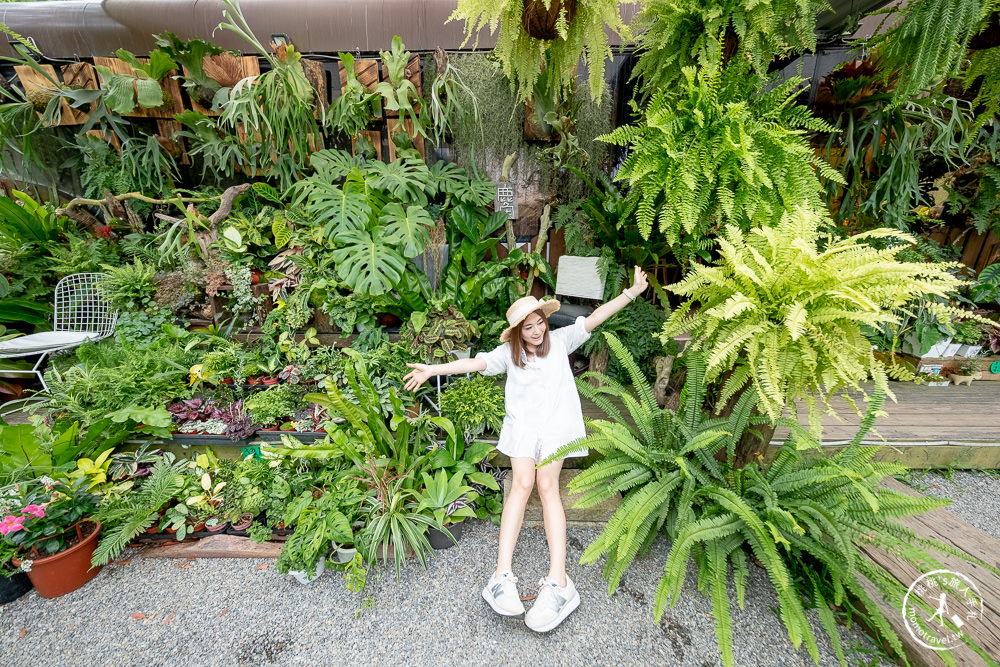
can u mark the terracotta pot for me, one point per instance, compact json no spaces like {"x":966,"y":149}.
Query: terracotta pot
{"x":255,"y":380}
{"x":217,"y":528}
{"x":540,"y":22}
{"x":197,"y":528}
{"x":244,"y":522}
{"x":254,"y":277}
{"x":389,"y":320}
{"x":269,"y":428}
{"x":68,"y":570}
{"x":269,"y":380}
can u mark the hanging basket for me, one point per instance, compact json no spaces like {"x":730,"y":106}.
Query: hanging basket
{"x":540,"y":22}
{"x":68,"y":570}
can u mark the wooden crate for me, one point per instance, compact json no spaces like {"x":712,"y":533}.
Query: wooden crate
{"x":249,"y":65}
{"x":168,"y":84}
{"x":77,"y":74}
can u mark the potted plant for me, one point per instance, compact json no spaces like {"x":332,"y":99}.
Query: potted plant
{"x":269,"y":407}
{"x":967,"y":372}
{"x":438,"y":335}
{"x":475,"y":405}
{"x":565,"y":30}
{"x":49,"y":534}
{"x":319,"y":523}
{"x":969,"y":336}
{"x":448,"y":500}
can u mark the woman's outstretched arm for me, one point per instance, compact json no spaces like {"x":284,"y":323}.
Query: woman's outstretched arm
{"x":421,"y":373}
{"x":606,"y":310}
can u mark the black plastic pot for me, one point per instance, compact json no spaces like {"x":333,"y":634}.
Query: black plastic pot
{"x":439,"y":540}
{"x":14,"y":586}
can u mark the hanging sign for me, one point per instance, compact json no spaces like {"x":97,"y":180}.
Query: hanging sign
{"x":506,"y":199}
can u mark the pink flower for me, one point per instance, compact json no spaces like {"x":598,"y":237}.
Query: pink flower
{"x":35,"y":510}
{"x":11,"y":524}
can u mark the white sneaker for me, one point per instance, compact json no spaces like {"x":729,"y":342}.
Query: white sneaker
{"x":554,"y":603}
{"x":501,"y":594}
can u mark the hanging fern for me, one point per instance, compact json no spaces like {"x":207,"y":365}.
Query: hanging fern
{"x":929,"y":41}
{"x":719,"y":149}
{"x":583,"y":35}
{"x":799,"y":514}
{"x":985,"y":64}
{"x":780,"y":313}
{"x":674,"y":34}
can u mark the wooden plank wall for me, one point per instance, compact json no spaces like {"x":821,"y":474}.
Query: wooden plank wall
{"x":978,"y":250}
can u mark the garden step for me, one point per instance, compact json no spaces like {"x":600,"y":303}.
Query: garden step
{"x":940,"y":524}
{"x":598,"y":514}
{"x":216,"y":546}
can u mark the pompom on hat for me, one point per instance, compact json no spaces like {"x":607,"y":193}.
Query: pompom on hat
{"x":523,"y":307}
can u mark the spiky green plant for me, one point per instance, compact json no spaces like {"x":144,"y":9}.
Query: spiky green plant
{"x":801,"y":514}
{"x":780,"y":313}
{"x":715,"y":149}
{"x":277,"y":105}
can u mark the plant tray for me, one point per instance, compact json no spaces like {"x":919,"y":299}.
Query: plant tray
{"x":205,"y":439}
{"x":275,"y":436}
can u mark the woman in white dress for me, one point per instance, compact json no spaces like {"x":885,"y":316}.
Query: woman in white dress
{"x":543,"y":414}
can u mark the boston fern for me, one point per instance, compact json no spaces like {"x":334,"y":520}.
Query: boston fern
{"x":780,"y":313}
{"x":799,"y":514}
{"x":580,"y":34}
{"x":719,"y":149}
{"x":674,"y":34}
{"x":929,"y":42}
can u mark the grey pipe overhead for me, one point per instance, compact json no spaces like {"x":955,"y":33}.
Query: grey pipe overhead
{"x":72,"y":29}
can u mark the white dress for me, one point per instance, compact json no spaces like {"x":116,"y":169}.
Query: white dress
{"x":543,"y":406}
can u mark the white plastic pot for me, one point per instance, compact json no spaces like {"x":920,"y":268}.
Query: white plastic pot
{"x":344,"y":554}
{"x":303,"y":577}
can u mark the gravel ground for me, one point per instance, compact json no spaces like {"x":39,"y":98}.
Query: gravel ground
{"x":975,"y":495}
{"x":241,"y":611}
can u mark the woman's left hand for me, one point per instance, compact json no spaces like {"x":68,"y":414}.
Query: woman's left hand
{"x":639,"y":282}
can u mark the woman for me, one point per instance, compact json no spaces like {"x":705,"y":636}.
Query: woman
{"x":543,"y":414}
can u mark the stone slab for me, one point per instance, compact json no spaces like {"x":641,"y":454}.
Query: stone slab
{"x":216,"y":546}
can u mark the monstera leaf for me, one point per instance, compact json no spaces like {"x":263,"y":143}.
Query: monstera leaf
{"x":341,"y":209}
{"x":408,"y":227}
{"x":405,"y":179}
{"x":366,"y":262}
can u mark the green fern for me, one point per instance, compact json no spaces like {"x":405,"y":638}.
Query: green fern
{"x":782,"y":318}
{"x":719,"y":149}
{"x":674,"y":34}
{"x":127,"y":516}
{"x":522,"y":55}
{"x":798,"y":515}
{"x":928,"y":43}
{"x":985,"y":64}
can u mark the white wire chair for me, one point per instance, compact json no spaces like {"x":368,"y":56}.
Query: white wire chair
{"x":80,"y":314}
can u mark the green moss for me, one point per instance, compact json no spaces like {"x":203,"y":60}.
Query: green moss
{"x":502,"y":130}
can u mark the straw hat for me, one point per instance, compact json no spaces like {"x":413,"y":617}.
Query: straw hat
{"x":523,"y":307}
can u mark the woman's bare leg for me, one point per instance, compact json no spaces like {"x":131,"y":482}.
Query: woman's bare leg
{"x":523,"y":470}
{"x":555,"y":519}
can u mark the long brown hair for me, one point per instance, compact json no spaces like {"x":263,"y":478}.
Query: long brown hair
{"x":517,"y":343}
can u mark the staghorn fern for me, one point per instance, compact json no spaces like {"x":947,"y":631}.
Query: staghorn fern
{"x":799,"y":514}
{"x":719,"y":149}
{"x":782,"y":318}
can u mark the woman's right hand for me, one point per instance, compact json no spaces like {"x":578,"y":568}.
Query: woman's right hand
{"x":420,"y":374}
